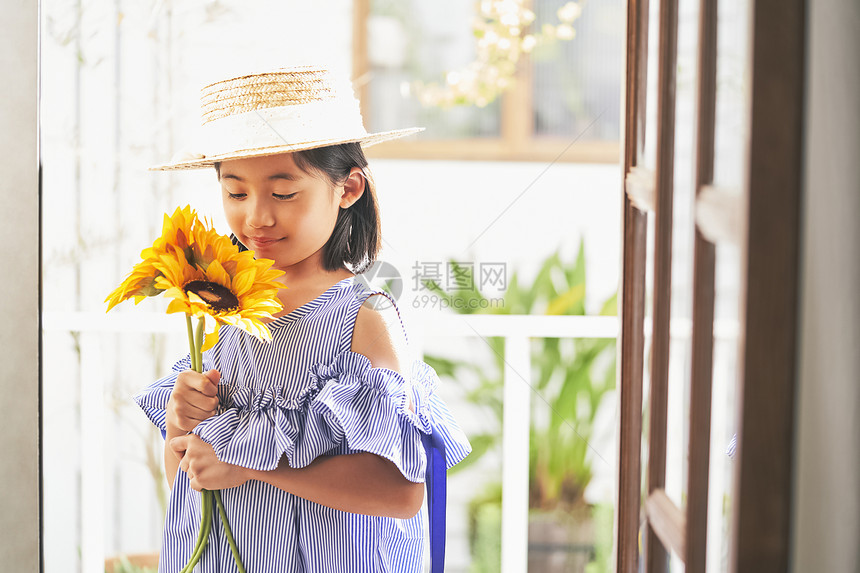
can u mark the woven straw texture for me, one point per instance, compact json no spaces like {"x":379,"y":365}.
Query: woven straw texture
{"x":278,"y":89}
{"x":261,"y":91}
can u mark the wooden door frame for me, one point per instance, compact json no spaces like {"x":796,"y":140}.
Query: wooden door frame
{"x":762,"y":488}
{"x":770,"y":255}
{"x":632,"y":308}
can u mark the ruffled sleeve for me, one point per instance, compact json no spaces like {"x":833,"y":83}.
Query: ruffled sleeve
{"x":346,"y":406}
{"x":153,"y":399}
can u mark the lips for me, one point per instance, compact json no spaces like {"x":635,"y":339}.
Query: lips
{"x":258,"y":242}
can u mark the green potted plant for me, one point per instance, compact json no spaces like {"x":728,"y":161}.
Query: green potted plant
{"x":570,"y":378}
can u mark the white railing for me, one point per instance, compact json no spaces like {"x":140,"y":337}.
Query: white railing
{"x":516,"y":330}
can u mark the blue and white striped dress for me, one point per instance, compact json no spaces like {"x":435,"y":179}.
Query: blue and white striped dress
{"x":304,"y":395}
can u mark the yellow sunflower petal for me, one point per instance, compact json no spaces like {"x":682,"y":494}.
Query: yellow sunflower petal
{"x":243,"y":281}
{"x":216,"y":273}
{"x":178,"y":305}
{"x":210,"y":339}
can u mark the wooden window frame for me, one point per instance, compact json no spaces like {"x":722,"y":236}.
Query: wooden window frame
{"x":516,"y":142}
{"x":765,"y":224}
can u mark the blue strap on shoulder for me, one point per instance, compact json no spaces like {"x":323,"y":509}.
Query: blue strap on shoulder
{"x":436,"y":498}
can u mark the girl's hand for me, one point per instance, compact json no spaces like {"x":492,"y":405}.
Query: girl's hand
{"x":205,"y":471}
{"x":194,"y":399}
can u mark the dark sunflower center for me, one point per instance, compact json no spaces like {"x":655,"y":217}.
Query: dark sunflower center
{"x":218,"y":297}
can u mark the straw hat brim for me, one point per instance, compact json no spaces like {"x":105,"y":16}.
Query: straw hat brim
{"x":200,"y":162}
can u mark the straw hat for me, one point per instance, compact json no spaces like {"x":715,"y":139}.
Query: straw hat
{"x":279,"y":111}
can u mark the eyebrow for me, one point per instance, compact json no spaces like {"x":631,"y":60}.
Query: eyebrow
{"x":273,"y":177}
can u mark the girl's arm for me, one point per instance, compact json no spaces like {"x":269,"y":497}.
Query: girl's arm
{"x":358,"y":483}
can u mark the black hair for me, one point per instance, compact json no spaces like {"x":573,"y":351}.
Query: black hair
{"x":355,"y":240}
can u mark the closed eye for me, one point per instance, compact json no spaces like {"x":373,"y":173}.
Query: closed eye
{"x":277,"y":196}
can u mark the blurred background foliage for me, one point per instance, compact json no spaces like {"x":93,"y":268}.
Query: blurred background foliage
{"x":570,"y":378}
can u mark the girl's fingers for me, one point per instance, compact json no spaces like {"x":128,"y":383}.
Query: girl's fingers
{"x":195,"y":485}
{"x":214,"y":378}
{"x":206,"y":387}
{"x":197,"y":407}
{"x":206,"y":384}
{"x":179,"y":445}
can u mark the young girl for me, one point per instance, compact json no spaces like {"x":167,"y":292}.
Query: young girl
{"x":316,"y":440}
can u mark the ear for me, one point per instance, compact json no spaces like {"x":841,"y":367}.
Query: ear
{"x":353,"y":188}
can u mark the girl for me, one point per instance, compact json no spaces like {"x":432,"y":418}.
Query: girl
{"x":317,"y":439}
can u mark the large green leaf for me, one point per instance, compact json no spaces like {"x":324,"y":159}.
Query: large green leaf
{"x":569,"y":302}
{"x":543,"y":287}
{"x":610,"y":307}
{"x":568,"y":385}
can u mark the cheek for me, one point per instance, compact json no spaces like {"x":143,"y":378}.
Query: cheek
{"x":316,"y":219}
{"x":233,"y":215}
{"x":327,"y":215}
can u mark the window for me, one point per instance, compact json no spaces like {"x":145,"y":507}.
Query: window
{"x":564,"y":103}
{"x":739,"y":327}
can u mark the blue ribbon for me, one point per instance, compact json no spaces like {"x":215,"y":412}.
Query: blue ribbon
{"x":436,"y":498}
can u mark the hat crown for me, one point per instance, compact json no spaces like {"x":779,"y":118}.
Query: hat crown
{"x":277,"y":111}
{"x":278,"y":88}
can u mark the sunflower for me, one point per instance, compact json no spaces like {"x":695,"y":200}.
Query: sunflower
{"x":231,"y":287}
{"x":140,"y":283}
{"x":176,"y":232}
{"x":206,"y":276}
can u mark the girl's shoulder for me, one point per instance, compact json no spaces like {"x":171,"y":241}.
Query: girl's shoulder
{"x":379,"y":332}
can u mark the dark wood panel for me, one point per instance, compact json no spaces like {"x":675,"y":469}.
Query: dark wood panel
{"x":634,"y":85}
{"x":630,"y":359}
{"x":632,"y":313}
{"x":698,"y":456}
{"x":656,"y":554}
{"x":762,"y":498}
{"x":704,"y":260}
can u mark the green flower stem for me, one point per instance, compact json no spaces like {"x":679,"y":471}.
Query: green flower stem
{"x":205,"y":529}
{"x":198,"y":342}
{"x":191,"y":345}
{"x":200,"y":539}
{"x":195,"y":341}
{"x":223,"y":513}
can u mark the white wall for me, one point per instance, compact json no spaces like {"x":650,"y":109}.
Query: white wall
{"x":827,"y":488}
{"x":518,"y":213}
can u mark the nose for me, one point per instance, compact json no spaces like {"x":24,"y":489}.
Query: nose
{"x":259,"y":214}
